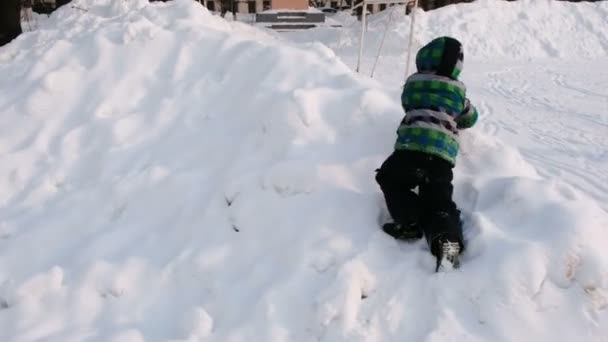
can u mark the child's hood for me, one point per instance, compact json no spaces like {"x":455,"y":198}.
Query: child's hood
{"x":442,"y":56}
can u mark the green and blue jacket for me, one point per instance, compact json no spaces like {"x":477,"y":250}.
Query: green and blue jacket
{"x":435,"y":102}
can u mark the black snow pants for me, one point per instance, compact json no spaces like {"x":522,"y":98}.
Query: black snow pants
{"x":432,"y":207}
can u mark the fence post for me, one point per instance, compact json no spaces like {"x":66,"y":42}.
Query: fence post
{"x":409,"y":45}
{"x":363,"y":26}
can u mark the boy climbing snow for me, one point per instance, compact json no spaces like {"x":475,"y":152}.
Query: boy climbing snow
{"x":436,"y":108}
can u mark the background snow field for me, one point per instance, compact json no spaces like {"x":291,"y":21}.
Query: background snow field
{"x":166,"y":175}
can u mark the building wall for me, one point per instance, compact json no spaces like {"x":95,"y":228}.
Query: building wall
{"x":290,"y":4}
{"x":242,"y":6}
{"x":257,"y":6}
{"x":263,"y":5}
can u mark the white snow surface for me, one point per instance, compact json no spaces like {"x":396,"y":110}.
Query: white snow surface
{"x":490,"y":29}
{"x":166,"y":175}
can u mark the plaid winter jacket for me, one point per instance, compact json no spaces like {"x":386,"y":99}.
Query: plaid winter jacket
{"x":435,"y":102}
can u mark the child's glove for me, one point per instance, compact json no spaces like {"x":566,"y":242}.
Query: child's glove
{"x":468,"y":117}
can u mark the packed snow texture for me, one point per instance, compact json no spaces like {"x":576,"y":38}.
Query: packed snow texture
{"x":167,"y":175}
{"x":525,"y":30}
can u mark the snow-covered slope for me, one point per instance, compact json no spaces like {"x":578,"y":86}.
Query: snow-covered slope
{"x":166,"y":175}
{"x":523,"y":30}
{"x":541,"y":82}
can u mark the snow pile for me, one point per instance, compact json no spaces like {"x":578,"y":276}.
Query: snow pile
{"x":167,"y":175}
{"x":488,"y":29}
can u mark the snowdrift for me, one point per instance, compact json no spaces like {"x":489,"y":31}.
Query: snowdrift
{"x":495,"y":29}
{"x":166,"y":175}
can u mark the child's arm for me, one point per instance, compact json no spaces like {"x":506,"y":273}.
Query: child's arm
{"x":468,"y":117}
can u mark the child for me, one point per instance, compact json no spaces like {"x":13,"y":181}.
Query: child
{"x":436,"y":108}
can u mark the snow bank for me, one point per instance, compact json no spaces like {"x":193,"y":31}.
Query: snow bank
{"x":166,"y":175}
{"x":488,"y":29}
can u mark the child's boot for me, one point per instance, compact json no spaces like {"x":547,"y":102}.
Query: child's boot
{"x":399,"y":231}
{"x":444,"y":235}
{"x":447,"y":253}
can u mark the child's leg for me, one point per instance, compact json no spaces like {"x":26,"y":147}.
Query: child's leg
{"x":441,"y":217}
{"x":397,"y":181}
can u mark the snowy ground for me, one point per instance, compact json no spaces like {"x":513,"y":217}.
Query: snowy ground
{"x":149,"y":191}
{"x":538,"y":70}
{"x":555,"y":112}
